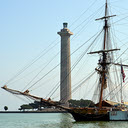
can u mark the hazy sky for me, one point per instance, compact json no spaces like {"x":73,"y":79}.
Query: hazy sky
{"x":28,"y":27}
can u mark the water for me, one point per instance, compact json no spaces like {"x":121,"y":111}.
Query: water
{"x":52,"y":120}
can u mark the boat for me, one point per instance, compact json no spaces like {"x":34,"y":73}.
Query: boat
{"x":103,"y":110}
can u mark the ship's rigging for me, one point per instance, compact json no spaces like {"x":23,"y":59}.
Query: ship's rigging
{"x":103,"y":68}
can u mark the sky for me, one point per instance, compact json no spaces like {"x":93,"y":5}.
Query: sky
{"x":29,"y":27}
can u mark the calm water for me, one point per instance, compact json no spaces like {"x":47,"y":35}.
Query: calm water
{"x":54,"y":120}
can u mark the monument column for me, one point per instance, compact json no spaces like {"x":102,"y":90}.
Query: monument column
{"x":65,"y":68}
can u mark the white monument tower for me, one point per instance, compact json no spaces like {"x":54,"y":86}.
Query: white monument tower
{"x":65,"y":69}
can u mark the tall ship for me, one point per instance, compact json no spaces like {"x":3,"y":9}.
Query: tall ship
{"x":103,"y":110}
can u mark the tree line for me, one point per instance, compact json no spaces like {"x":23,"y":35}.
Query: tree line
{"x":81,"y":103}
{"x":72,"y":103}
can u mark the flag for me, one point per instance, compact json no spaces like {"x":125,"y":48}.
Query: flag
{"x":123,"y":74}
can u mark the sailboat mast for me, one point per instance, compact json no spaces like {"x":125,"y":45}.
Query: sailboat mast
{"x":103,"y":73}
{"x":106,"y":25}
{"x":105,"y":50}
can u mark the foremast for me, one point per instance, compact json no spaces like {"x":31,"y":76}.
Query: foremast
{"x":105,"y":60}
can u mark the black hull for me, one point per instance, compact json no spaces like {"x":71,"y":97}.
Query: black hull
{"x":90,"y":117}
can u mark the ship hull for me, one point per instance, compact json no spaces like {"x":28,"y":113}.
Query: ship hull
{"x":90,"y":117}
{"x":118,"y":115}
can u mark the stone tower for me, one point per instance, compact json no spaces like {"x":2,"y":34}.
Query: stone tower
{"x":65,"y":68}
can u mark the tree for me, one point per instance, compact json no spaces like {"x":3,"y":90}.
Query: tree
{"x":36,"y":105}
{"x":25,"y":106}
{"x":5,"y":108}
{"x":81,"y":103}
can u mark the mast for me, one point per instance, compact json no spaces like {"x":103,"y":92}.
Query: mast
{"x":105,"y":26}
{"x":103,"y":73}
{"x":104,"y":61}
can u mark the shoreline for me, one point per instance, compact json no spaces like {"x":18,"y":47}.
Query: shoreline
{"x":43,"y":111}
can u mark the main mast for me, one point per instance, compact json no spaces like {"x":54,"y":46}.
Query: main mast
{"x":105,"y":26}
{"x":104,"y":62}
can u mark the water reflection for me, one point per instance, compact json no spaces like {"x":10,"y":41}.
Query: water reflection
{"x":101,"y":124}
{"x":66,"y":121}
{"x":59,"y":120}
{"x":53,"y":120}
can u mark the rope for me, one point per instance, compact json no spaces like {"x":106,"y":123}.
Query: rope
{"x":33,"y":61}
{"x":76,"y":63}
{"x":63,"y":60}
{"x":41,"y":71}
